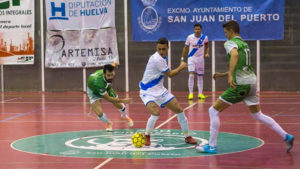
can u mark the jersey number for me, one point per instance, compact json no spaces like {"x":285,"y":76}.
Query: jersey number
{"x":248,"y":56}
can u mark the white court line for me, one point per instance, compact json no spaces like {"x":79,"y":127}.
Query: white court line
{"x":103,"y":163}
{"x":174,"y":116}
{"x":109,"y":159}
{"x":5,"y":101}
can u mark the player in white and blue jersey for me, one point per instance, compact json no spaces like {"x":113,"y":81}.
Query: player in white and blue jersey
{"x":197,"y":45}
{"x":154,"y":94}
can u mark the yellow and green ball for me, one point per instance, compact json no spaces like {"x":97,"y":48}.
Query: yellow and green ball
{"x":138,"y":140}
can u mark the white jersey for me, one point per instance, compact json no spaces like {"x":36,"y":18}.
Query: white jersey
{"x":196,"y":47}
{"x":153,"y":77}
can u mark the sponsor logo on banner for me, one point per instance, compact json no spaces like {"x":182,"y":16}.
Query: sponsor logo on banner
{"x":16,"y":32}
{"x":24,"y":59}
{"x":58,"y":10}
{"x":85,"y":48}
{"x":149,"y":20}
{"x":5,"y":4}
{"x":78,"y":14}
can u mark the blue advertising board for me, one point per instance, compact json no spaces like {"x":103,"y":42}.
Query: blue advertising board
{"x":174,"y":19}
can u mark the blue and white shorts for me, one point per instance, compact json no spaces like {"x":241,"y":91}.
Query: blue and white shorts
{"x":160,"y":100}
{"x":196,"y":65}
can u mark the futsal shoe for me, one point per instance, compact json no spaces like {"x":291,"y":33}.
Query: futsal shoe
{"x":108,"y":126}
{"x":191,"y":96}
{"x":206,"y":149}
{"x":201,"y":96}
{"x":190,"y":140}
{"x":289,"y":141}
{"x":129,"y":121}
{"x":148,"y":142}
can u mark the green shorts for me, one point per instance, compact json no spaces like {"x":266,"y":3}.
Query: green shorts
{"x":93,"y":97}
{"x":245,"y":93}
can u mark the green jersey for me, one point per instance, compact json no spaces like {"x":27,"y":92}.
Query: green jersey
{"x":98,"y":84}
{"x":243,"y":72}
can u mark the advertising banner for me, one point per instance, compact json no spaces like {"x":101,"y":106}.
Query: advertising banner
{"x":174,"y":19}
{"x":85,"y":48}
{"x":79,"y":14}
{"x":16,"y":32}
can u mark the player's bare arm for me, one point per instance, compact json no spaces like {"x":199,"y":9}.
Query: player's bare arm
{"x":116,"y":100}
{"x":234,"y":56}
{"x":206,"y":50}
{"x":220,"y":74}
{"x":172,"y":73}
{"x":184,"y":51}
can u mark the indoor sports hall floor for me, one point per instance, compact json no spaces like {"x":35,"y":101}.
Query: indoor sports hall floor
{"x":27,"y":114}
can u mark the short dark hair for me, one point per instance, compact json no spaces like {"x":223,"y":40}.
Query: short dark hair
{"x":163,"y":41}
{"x":109,"y":68}
{"x":198,"y":24}
{"x":234,"y":25}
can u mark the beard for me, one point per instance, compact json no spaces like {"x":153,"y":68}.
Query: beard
{"x":109,"y":80}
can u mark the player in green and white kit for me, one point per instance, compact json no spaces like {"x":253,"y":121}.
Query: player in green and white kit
{"x":242,"y":81}
{"x":98,"y":87}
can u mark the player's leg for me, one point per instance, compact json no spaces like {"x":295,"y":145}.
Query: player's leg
{"x":272,"y":124}
{"x":191,"y":85}
{"x":121,"y":107}
{"x":229,"y":97}
{"x":153,"y":109}
{"x":200,"y":73}
{"x":191,"y":69}
{"x":182,"y":120}
{"x":200,"y":87}
{"x":252,"y":101}
{"x":96,"y":105}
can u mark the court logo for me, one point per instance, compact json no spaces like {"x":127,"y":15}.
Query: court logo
{"x":165,"y":143}
{"x":163,"y":140}
{"x":149,"y":20}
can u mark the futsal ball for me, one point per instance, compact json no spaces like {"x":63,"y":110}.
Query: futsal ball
{"x":138,"y":140}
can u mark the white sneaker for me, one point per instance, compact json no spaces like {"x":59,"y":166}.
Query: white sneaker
{"x":108,"y":126}
{"x":206,"y":149}
{"x":129,"y":121}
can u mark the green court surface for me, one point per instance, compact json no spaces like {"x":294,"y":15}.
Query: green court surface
{"x":117,"y":144}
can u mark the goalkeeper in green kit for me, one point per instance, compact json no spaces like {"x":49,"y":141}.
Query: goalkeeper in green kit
{"x":99,"y":87}
{"x":242,"y":82}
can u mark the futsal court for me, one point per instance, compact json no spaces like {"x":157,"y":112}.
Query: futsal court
{"x":29,"y":114}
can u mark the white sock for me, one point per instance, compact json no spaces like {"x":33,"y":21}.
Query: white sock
{"x":150,"y":124}
{"x":200,"y":84}
{"x":269,"y":122}
{"x":191,"y":83}
{"x":123,"y":111}
{"x":104,"y":118}
{"x":214,"y":126}
{"x":183,"y":123}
